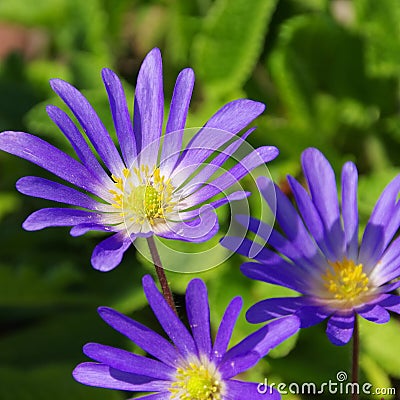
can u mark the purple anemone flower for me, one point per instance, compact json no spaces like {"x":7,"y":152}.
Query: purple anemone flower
{"x":149,"y":187}
{"x":316,"y":252}
{"x":190,"y":366}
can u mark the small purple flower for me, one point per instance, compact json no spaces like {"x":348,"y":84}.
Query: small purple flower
{"x":150,"y":189}
{"x":318,"y":254}
{"x":190,"y":367}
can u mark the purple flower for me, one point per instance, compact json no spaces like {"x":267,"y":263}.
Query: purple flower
{"x":318,"y":254}
{"x":150,"y":189}
{"x":190,"y":367}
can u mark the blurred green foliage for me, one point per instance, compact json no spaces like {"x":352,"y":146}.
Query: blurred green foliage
{"x":329,"y":73}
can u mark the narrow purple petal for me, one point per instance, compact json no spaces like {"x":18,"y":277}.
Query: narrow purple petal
{"x":49,"y":190}
{"x":177,"y":119}
{"x":122,"y":119}
{"x":47,"y":217}
{"x":45,"y":155}
{"x":237,"y":390}
{"x":322,"y":184}
{"x":388,"y":267}
{"x":91,"y":124}
{"x":149,"y":106}
{"x":291,"y":224}
{"x":247,"y":248}
{"x":350,"y":209}
{"x":236,"y":115}
{"x":100,"y":375}
{"x":145,"y":338}
{"x":232,"y":176}
{"x":198,"y":230}
{"x":340,"y":328}
{"x":127,"y":362}
{"x":312,"y":218}
{"x":236,"y":365}
{"x":73,"y":134}
{"x":268,"y":309}
{"x":171,"y":324}
{"x":266,"y":338}
{"x":391,"y":303}
{"x":226,"y":327}
{"x":374,"y":313}
{"x":373,"y":241}
{"x":108,"y":253}
{"x":198,"y":313}
{"x":81,"y":229}
{"x":313,"y":315}
{"x":215,"y":164}
{"x":278,"y":272}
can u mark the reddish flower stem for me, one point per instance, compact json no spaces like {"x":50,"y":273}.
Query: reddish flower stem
{"x":166,"y":290}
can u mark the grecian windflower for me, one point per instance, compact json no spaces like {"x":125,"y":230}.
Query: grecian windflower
{"x":145,"y":188}
{"x":188,"y":366}
{"x":317,"y":253}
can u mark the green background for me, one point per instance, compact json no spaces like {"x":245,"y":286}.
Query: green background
{"x":328,"y":72}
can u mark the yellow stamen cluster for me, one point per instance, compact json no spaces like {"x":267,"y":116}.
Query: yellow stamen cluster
{"x":345,"y":280}
{"x":148,"y":199}
{"x":196,"y":382}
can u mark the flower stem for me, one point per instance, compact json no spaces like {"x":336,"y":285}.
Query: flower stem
{"x":356,"y":353}
{"x":161,"y":274}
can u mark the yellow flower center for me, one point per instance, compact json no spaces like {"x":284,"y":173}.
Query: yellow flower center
{"x":346,"y":281}
{"x":147,"y":197}
{"x":196,"y":382}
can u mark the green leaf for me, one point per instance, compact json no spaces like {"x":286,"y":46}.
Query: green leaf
{"x":381,"y":343}
{"x":228,"y":46}
{"x":378,"y":21}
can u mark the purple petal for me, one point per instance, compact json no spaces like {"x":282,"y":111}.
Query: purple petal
{"x":73,"y":134}
{"x":237,"y":390}
{"x":312,"y":218}
{"x":236,"y":365}
{"x":291,"y":224}
{"x":100,"y":375}
{"x":198,"y":313}
{"x":340,"y":328}
{"x":236,"y":115}
{"x":127,"y":362}
{"x":215,"y":164}
{"x":198,"y":230}
{"x":232,"y":176}
{"x":120,"y":114}
{"x":247,"y":248}
{"x":149,"y":106}
{"x":375,"y":237}
{"x":226,"y":327}
{"x":145,"y":338}
{"x":350,"y":209}
{"x":45,"y":155}
{"x":108,"y":253}
{"x":266,"y":338}
{"x":313,"y":315}
{"x":278,"y":272}
{"x":49,"y":190}
{"x":374,"y":313}
{"x":81,"y":229}
{"x":91,"y":124}
{"x":177,"y":119}
{"x":268,"y":309}
{"x":47,"y":217}
{"x":171,"y":324}
{"x":391,"y":303}
{"x":322,"y":184}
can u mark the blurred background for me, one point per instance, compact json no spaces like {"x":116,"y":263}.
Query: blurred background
{"x":328,"y":72}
